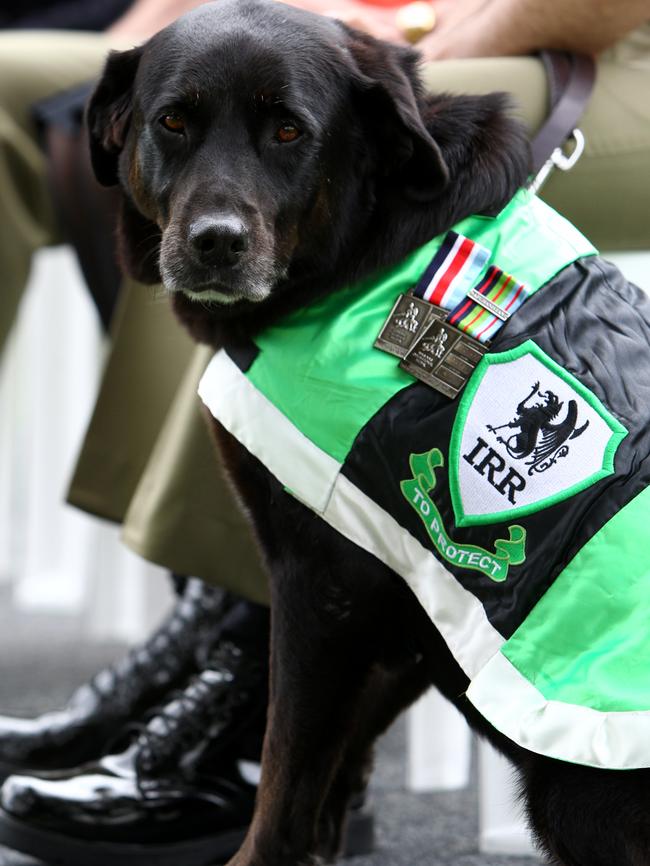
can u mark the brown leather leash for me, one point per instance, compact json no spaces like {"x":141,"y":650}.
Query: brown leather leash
{"x":571,"y":80}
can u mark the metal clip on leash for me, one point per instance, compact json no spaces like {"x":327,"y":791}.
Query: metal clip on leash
{"x":571,"y":79}
{"x":560,"y":160}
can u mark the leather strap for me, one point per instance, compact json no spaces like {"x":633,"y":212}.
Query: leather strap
{"x":571,"y":80}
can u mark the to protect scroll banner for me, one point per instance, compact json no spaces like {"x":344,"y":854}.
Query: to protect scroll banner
{"x":495,"y":565}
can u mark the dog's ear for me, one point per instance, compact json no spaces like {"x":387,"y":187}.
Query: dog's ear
{"x":389,"y":96}
{"x":486,"y":148}
{"x":109,"y":113}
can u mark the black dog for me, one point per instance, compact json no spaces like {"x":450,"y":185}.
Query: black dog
{"x":268,"y":157}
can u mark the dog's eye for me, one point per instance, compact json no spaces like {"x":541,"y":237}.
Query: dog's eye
{"x":173,"y":123}
{"x":287,"y":133}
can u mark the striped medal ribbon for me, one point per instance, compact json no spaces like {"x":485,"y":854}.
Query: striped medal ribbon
{"x":488,"y":307}
{"x":452,"y":272}
{"x":455,"y":268}
{"x":447,"y":350}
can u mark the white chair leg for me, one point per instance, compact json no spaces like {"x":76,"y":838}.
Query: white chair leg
{"x":11,"y":502}
{"x":59,"y":363}
{"x":72,"y":563}
{"x":127,"y":596}
{"x":439,"y":745}
{"x":502,"y":829}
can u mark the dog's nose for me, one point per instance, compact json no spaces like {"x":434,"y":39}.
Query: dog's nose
{"x":219,"y":240}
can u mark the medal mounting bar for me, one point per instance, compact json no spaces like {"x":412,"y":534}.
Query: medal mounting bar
{"x":488,"y":305}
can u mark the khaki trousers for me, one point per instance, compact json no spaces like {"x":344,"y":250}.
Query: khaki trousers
{"x":148,"y":460}
{"x":32,"y":66}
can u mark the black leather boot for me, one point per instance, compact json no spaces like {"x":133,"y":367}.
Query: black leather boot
{"x":97,"y":713}
{"x":182,"y":793}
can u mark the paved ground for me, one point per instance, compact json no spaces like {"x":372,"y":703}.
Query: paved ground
{"x":42,"y":658}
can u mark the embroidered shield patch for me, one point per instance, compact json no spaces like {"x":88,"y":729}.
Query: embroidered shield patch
{"x":527,"y":435}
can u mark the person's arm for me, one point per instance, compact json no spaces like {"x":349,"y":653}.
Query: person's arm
{"x":491,"y":28}
{"x":146,"y":17}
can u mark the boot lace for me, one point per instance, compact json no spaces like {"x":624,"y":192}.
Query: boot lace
{"x":197,"y":715}
{"x":166,"y":654}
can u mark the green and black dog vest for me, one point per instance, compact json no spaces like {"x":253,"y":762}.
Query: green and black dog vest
{"x":517,"y":512}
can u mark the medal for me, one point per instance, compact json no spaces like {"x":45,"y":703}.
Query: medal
{"x":405,"y":323}
{"x":444,"y":358}
{"x":443,"y":327}
{"x":453,"y":270}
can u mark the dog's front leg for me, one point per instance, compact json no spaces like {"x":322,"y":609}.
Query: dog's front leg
{"x":319,"y":666}
{"x":387,"y":693}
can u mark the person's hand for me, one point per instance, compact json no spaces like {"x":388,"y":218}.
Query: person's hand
{"x":464,"y":28}
{"x":376,"y":20}
{"x":499,"y":28}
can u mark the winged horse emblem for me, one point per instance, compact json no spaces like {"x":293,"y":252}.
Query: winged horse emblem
{"x":539,"y":435}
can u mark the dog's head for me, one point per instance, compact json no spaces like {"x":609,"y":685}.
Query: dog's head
{"x":250,"y":137}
